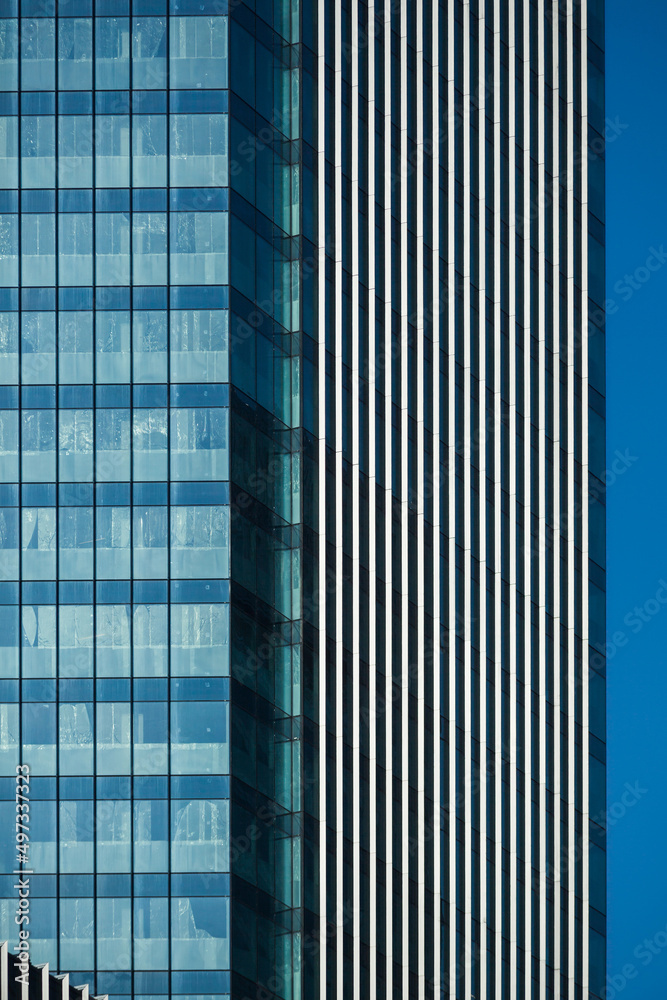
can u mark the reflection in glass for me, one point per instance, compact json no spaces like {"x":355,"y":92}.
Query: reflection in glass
{"x":199,"y":542}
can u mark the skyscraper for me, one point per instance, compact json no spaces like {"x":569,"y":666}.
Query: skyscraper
{"x":302,"y":462}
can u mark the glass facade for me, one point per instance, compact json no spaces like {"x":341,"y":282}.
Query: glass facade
{"x":301,"y":495}
{"x":453,"y":428}
{"x":114,"y":487}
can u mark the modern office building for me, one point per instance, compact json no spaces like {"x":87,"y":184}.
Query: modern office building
{"x":301,"y":477}
{"x":21,"y":981}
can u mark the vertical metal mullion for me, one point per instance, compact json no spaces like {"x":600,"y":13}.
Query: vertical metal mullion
{"x":529,"y":734}
{"x":452,"y":979}
{"x":513,"y":532}
{"x":19,"y":375}
{"x":500,"y":750}
{"x":585,"y":568}
{"x":482,"y":431}
{"x":420,"y":489}
{"x":355,"y":476}
{"x":94,"y":478}
{"x":556,"y":544}
{"x":388,"y":513}
{"x":57,"y":456}
{"x":464,"y":526}
{"x":571,"y":499}
{"x":403,"y":499}
{"x":169,"y":464}
{"x":436,"y":473}
{"x":338,"y":478}
{"x":131,"y":488}
{"x":322,"y":479}
{"x":541,"y":554}
{"x":372,"y":501}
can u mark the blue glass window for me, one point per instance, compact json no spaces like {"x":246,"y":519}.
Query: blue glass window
{"x":112,"y":429}
{"x":9,"y":249}
{"x":113,"y":642}
{"x":38,"y":536}
{"x":198,"y":53}
{"x":9,"y":49}
{"x":199,"y":150}
{"x":199,"y":345}
{"x":38,"y":38}
{"x":199,"y":248}
{"x":9,"y":149}
{"x":150,"y":543}
{"x":75,"y":53}
{"x":9,"y":737}
{"x":150,"y":640}
{"x":112,"y":53}
{"x":199,"y":932}
{"x":151,"y":932}
{"x":199,"y":734}
{"x":9,"y":347}
{"x":112,"y":248}
{"x":76,"y":738}
{"x":77,"y":933}
{"x":38,"y":626}
{"x":200,"y":839}
{"x":149,"y":150}
{"x":75,"y":346}
{"x":75,"y":540}
{"x":75,"y":248}
{"x":199,"y":444}
{"x":76,"y":445}
{"x":9,"y":458}
{"x":151,"y":837}
{"x":112,"y":341}
{"x":38,"y":348}
{"x":38,"y":445}
{"x":9,"y":543}
{"x":199,"y":639}
{"x":149,"y":52}
{"x":112,"y":151}
{"x":38,"y":736}
{"x":199,"y":542}
{"x":38,"y":151}
{"x":75,"y":151}
{"x":149,"y":246}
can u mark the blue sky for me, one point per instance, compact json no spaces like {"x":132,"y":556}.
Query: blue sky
{"x":637,"y":525}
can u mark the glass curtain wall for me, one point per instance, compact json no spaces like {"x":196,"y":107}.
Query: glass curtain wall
{"x":266,"y":500}
{"x":114,"y":487}
{"x":453,"y":467}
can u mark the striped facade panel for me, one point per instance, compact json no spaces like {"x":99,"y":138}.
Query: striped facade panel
{"x":457,"y":540}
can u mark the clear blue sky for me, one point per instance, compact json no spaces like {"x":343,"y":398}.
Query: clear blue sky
{"x":637,"y":523}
